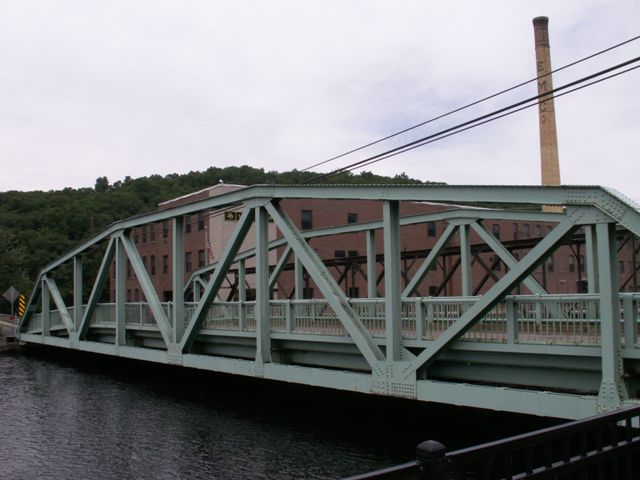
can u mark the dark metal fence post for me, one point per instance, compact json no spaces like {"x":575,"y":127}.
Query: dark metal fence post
{"x":431,"y":460}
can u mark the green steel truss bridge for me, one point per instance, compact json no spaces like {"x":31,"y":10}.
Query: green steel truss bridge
{"x":566,"y":356}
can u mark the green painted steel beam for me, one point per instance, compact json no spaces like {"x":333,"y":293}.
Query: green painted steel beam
{"x":262,"y":307}
{"x":282,"y":262}
{"x":429,"y":261}
{"x":393,"y":303}
{"x":620,"y":208}
{"x":498,"y":291}
{"x":98,"y":285}
{"x":177,"y":252}
{"x":228,"y":257}
{"x":147,"y":288}
{"x":509,"y":260}
{"x":327,"y":285}
{"x":62,"y":308}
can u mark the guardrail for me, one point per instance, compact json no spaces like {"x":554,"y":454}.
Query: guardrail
{"x":546,"y":319}
{"x":604,"y":446}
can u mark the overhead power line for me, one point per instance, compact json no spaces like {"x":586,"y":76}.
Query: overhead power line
{"x":472,"y":104}
{"x":486,"y":118}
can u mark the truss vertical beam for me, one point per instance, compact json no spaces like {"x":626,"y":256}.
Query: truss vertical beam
{"x":46,"y":308}
{"x":226,"y":259}
{"x":612,"y":389}
{"x":429,"y":261}
{"x":393,"y":306}
{"x":121,"y":310}
{"x":177,"y":251}
{"x":592,"y":258}
{"x":242,"y":294}
{"x":77,"y":292}
{"x":371,"y":264}
{"x":498,"y":291}
{"x":98,"y":285}
{"x":299,"y":279}
{"x":327,"y":285}
{"x":465,"y":259}
{"x":148,"y":289}
{"x":263,"y":286}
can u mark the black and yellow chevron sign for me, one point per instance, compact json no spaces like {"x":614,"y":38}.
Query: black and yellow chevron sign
{"x":22,"y":304}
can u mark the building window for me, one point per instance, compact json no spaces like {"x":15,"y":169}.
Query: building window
{"x":165,"y":229}
{"x":621,"y":266}
{"x":538,"y":231}
{"x":201,"y":221}
{"x":306,"y":219}
{"x":526,"y":230}
{"x":353,"y":292}
{"x":187,"y":261}
{"x":128,"y":268}
{"x":353,"y":253}
{"x":144,"y":234}
{"x":339,"y":254}
{"x":153,"y":264}
{"x":165,"y":264}
{"x":128,"y":295}
{"x":581,"y":263}
{"x":572,"y":264}
{"x":550,"y":263}
{"x":431,"y":229}
{"x":187,"y":223}
{"x":135,"y":235}
{"x":200,"y":258}
{"x":495,"y":229}
{"x":152,"y":232}
{"x":137,"y":295}
{"x":515,"y":231}
{"x":352,"y":218}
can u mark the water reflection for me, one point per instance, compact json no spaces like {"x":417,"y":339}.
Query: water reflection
{"x":78,"y":416}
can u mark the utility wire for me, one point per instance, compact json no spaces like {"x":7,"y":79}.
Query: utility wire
{"x":469,"y":105}
{"x":495,"y":118}
{"x":462,"y":126}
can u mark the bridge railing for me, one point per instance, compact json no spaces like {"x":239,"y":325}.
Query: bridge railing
{"x":546,"y":319}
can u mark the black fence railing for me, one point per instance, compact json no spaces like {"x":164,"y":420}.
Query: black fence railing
{"x":600,"y":447}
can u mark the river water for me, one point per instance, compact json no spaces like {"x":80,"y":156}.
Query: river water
{"x":67,"y":415}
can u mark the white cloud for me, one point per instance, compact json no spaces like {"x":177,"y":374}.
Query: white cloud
{"x":141,"y":87}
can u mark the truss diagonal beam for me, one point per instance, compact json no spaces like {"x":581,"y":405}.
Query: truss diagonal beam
{"x":508,"y":259}
{"x":498,"y":291}
{"x":426,"y":265}
{"x":327,"y":285}
{"x":62,"y":308}
{"x":218,"y":276}
{"x":98,"y":285}
{"x":147,"y":288}
{"x":279,"y":266}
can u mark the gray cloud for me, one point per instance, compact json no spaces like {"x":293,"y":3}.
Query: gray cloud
{"x":141,"y":87}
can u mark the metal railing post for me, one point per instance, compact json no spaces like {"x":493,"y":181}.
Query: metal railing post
{"x":431,"y":460}
{"x":512,"y":321}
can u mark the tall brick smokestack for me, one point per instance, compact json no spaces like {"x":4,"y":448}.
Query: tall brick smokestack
{"x":549,"y":163}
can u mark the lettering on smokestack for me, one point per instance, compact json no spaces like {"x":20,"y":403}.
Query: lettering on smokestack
{"x":549,"y":163}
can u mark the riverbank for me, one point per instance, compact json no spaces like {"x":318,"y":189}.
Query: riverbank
{"x":8,"y":340}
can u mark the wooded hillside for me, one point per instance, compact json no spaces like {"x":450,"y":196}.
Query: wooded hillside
{"x":37,"y":227}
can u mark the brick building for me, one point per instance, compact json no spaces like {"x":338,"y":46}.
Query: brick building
{"x":206,"y":234}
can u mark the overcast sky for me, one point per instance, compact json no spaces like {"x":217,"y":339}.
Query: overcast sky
{"x":133,"y":87}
